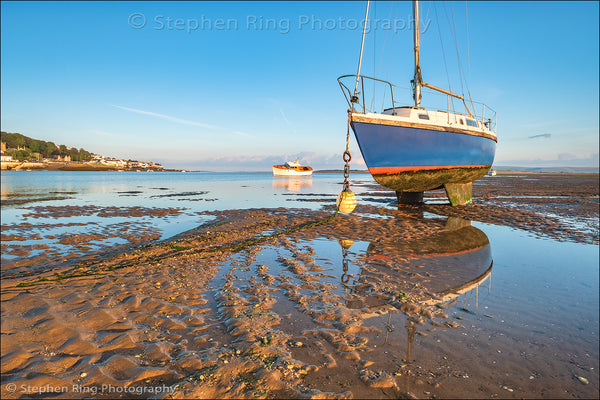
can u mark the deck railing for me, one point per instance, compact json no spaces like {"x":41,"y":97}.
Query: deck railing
{"x":377,"y":95}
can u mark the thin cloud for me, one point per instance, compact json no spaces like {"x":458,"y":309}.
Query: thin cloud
{"x":545,"y":135}
{"x":286,"y":120}
{"x":283,"y":115}
{"x":167,"y":117}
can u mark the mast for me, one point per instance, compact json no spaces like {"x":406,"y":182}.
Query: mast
{"x":417,"y":80}
{"x":362,"y":45}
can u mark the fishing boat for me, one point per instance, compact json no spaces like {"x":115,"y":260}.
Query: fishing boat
{"x":411,"y":149}
{"x":291,"y":168}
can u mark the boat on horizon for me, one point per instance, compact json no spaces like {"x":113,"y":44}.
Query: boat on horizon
{"x":411,"y":149}
{"x":291,"y":168}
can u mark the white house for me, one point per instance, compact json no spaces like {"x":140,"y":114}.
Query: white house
{"x":5,"y":157}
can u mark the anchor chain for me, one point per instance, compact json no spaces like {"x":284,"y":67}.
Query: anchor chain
{"x":345,"y":276}
{"x":346,"y":201}
{"x":347,"y":157}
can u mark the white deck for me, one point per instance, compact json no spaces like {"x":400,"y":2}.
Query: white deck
{"x":434,"y":118}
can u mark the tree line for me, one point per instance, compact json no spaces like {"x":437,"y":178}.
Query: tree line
{"x":21,"y":147}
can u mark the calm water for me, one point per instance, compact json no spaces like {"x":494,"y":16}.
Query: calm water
{"x":528,"y":308}
{"x":49,"y":206}
{"x":535,"y":314}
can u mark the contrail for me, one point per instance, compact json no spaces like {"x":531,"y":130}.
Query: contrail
{"x":546,"y":135}
{"x":167,"y":117}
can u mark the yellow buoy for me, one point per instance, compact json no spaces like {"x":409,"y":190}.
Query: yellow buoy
{"x":346,"y":202}
{"x":345,"y":243}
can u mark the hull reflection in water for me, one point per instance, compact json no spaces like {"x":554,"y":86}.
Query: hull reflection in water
{"x":432,"y":270}
{"x":444,"y":264}
{"x":291,"y":184}
{"x":419,"y":278}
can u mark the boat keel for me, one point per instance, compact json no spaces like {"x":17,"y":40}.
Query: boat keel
{"x":409,"y":197}
{"x":459,"y":194}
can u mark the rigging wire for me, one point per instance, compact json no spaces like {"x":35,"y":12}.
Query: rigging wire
{"x":427,"y":16}
{"x":453,"y":33}
{"x":443,"y":55}
{"x":381,"y":59}
{"x":468,"y":53}
{"x":377,"y":66}
{"x":468,"y":58}
{"x":362,"y":46}
{"x":460,"y":69}
{"x":380,"y":63}
{"x":387,"y":74}
{"x":374,"y":18}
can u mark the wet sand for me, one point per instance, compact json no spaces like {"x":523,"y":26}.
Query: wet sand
{"x":252,"y":306}
{"x":39,"y":251}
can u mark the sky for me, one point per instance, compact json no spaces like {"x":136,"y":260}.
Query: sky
{"x":236,"y":86}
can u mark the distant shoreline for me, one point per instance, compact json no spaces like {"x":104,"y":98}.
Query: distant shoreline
{"x":71,"y":166}
{"x":74,"y":166}
{"x":548,"y":170}
{"x":515,"y":172}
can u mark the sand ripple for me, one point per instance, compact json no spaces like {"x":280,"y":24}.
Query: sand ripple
{"x":210,"y":317}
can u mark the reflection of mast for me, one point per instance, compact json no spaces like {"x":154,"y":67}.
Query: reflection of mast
{"x":388,"y":327}
{"x":414,"y":276}
{"x":411,"y":324}
{"x":411,"y":328}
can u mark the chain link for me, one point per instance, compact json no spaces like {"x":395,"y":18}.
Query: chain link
{"x":347,"y":156}
{"x":345,"y":275}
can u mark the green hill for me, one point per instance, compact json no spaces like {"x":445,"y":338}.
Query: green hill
{"x":21,"y":147}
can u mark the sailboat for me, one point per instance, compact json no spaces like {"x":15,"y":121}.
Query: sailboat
{"x":411,"y":149}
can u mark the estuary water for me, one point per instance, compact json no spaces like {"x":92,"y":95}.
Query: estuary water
{"x":43,"y":210}
{"x":527,"y":306}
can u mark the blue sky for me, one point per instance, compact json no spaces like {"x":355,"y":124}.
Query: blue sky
{"x":243,"y":85}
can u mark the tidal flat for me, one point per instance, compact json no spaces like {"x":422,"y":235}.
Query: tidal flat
{"x":498,"y":299}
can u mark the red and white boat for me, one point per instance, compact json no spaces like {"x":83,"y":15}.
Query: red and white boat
{"x":291,"y":169}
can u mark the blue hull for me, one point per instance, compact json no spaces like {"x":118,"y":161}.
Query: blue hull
{"x":409,"y":159}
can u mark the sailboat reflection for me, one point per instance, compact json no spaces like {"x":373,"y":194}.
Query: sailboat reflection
{"x":433,"y":269}
{"x":421,"y":277}
{"x":292,"y":184}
